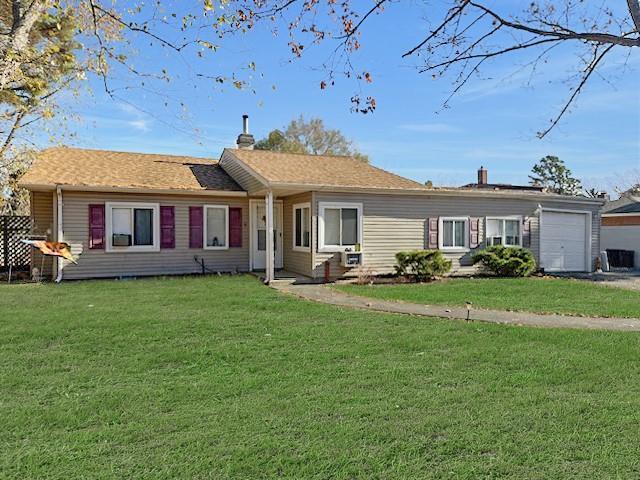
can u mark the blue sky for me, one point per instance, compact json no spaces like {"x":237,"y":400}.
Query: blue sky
{"x":493,"y":122}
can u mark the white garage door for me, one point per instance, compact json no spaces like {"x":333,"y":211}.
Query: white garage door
{"x":563,"y":245}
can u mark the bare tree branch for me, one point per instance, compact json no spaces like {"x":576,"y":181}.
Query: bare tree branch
{"x":634,"y":11}
{"x":12,"y":131}
{"x":590,"y":68}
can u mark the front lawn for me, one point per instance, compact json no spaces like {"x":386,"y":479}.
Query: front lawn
{"x":539,"y":295}
{"x":225,"y":378}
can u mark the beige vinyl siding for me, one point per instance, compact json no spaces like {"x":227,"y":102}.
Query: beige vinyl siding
{"x":294,"y":261}
{"x":240,"y":174}
{"x":393,"y":223}
{"x":42,"y":225}
{"x":179,"y":260}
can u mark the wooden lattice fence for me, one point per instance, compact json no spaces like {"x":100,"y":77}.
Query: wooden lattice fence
{"x":13,"y":252}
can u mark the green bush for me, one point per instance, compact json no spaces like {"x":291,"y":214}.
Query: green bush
{"x":507,"y":261}
{"x":422,"y":264}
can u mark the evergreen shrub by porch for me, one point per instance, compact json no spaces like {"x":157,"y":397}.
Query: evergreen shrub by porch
{"x":507,"y":261}
{"x":422,"y":264}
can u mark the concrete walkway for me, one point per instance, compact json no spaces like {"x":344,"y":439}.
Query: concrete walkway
{"x":325,"y":294}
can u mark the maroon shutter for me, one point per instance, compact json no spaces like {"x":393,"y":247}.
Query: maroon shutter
{"x":167,"y":227}
{"x":96,"y":226}
{"x":433,"y":233}
{"x":235,"y":227}
{"x":474,"y":232}
{"x":195,"y":227}
{"x":526,"y":233}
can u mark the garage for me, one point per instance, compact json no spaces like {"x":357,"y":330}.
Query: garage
{"x":563,"y":241}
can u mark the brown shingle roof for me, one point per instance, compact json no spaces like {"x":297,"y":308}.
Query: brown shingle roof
{"x":101,"y":168}
{"x":320,"y":170}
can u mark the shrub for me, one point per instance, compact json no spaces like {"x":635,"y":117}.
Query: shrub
{"x":422,"y":264}
{"x":507,"y":261}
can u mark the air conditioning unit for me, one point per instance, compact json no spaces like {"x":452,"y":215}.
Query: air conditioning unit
{"x":351,"y":259}
{"x":121,"y":240}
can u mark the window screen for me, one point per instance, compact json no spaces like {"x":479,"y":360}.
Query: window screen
{"x":349,"y":226}
{"x":332,"y":226}
{"x":216,"y":227}
{"x":453,"y":233}
{"x":512,"y":232}
{"x":143,"y":226}
{"x":302,"y":227}
{"x":121,"y":221}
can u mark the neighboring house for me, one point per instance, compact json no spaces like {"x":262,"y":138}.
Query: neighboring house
{"x":130,"y":214}
{"x":621,"y":225}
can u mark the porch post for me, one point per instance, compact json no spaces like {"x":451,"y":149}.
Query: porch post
{"x":269,"y":267}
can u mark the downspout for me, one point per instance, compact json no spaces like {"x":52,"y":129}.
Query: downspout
{"x":59,"y":232}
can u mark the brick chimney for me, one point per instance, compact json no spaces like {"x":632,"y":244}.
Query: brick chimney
{"x":245,"y":139}
{"x":483,"y":176}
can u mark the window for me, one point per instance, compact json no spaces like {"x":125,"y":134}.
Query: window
{"x":454,"y":233}
{"x":133,"y":227}
{"x":216,"y":227}
{"x":339,"y":226}
{"x":503,"y":231}
{"x":302,"y":227}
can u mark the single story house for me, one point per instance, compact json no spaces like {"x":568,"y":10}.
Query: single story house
{"x":621,"y":225}
{"x":132,"y":214}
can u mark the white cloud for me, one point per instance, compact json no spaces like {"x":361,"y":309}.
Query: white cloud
{"x":140,"y":124}
{"x":138,"y":119}
{"x":430,"y":128}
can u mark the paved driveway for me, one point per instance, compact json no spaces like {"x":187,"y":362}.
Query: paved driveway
{"x":628,"y":280}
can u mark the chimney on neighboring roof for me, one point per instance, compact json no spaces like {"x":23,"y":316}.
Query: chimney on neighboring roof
{"x":483,"y":176}
{"x":245,"y":139}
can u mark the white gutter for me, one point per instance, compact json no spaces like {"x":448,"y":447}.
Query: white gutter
{"x":478,"y":193}
{"x":628,"y":214}
{"x":143,"y":190}
{"x":59,"y":231}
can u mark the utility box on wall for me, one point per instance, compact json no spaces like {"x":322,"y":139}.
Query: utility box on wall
{"x":351,"y":259}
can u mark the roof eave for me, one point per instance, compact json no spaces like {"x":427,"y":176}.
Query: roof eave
{"x":435,"y":191}
{"x":142,"y":190}
{"x":228,"y":151}
{"x":627,"y":214}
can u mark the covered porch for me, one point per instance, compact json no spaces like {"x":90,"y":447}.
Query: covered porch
{"x":280,"y":245}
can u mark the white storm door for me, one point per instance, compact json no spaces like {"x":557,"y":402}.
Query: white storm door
{"x":259,"y":234}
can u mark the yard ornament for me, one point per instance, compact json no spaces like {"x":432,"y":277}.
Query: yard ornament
{"x":52,"y":249}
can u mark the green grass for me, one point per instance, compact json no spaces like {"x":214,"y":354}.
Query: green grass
{"x":539,"y":295}
{"x":225,"y":378}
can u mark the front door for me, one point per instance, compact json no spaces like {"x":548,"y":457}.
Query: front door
{"x":259,"y":234}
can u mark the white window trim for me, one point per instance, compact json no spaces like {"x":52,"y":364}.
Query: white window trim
{"x":519,"y":218}
{"x":109,"y":206}
{"x":204,"y":227}
{"x":297,"y":248}
{"x":322,"y":206}
{"x":441,"y":221}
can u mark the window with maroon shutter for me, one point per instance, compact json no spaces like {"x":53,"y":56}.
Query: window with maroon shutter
{"x":96,"y":227}
{"x":235,"y":227}
{"x":432,"y":242}
{"x":195,"y":227}
{"x":167,"y":227}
